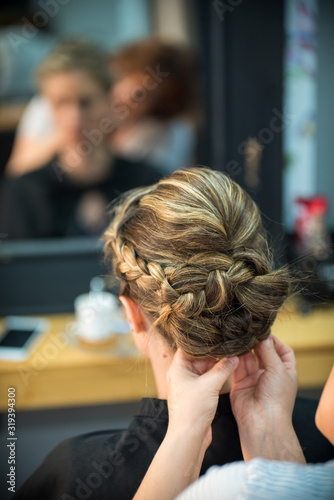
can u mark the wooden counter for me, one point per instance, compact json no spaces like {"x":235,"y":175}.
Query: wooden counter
{"x":312,"y":338}
{"x":64,"y":372}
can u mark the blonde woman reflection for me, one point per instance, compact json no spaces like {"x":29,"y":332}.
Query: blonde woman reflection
{"x":68,"y":194}
{"x":196,"y":274}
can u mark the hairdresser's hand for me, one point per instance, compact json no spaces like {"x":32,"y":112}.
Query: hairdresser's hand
{"x":263,"y":394}
{"x":193,"y":392}
{"x":265,"y":382}
{"x":192,"y":395}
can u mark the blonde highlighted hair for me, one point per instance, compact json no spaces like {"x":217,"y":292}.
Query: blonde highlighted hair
{"x":76,"y":54}
{"x":192,"y":252}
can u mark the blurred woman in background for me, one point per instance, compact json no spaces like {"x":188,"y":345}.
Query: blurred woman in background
{"x":68,"y":194}
{"x":155,"y":105}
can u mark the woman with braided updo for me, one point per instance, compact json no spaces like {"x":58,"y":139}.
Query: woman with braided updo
{"x":192,"y":251}
{"x":197,"y":278}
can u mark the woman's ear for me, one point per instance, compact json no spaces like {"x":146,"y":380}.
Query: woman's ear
{"x":134,"y":314}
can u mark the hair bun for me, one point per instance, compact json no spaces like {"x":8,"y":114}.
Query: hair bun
{"x":221,"y":313}
{"x":192,"y":251}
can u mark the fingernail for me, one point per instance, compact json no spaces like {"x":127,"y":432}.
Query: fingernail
{"x":234,"y":360}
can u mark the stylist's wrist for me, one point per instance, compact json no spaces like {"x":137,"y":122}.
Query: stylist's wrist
{"x":196,"y":430}
{"x":190,"y":442}
{"x":254,"y":428}
{"x":271,"y":418}
{"x":272,"y":438}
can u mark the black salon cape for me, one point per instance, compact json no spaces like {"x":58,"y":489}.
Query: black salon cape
{"x":108,"y":465}
{"x":43,"y":203}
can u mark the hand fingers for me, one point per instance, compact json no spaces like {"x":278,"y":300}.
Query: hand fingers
{"x":285,"y":353}
{"x":266,"y":352}
{"x":252,"y":365}
{"x":182,"y":359}
{"x":246,"y":382}
{"x":274,"y":355}
{"x":218,"y":372}
{"x":247,"y":365}
{"x":221,"y":371}
{"x":203,"y":365}
{"x":182,"y":366}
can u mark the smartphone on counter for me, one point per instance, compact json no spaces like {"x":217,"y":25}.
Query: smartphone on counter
{"x":21,"y":336}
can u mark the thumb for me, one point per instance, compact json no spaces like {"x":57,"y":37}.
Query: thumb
{"x":266,"y":352}
{"x":221,"y":370}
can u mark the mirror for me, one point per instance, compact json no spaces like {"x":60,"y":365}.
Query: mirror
{"x":230,"y":129}
{"x":99,"y":106}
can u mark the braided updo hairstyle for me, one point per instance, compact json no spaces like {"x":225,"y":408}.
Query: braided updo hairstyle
{"x":192,"y":252}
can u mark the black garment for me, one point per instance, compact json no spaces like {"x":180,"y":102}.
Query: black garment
{"x":110,"y":465}
{"x":43,"y":203}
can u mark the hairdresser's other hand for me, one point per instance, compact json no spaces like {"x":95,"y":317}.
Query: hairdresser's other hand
{"x":264,"y":382}
{"x":193,"y":392}
{"x":263,"y":394}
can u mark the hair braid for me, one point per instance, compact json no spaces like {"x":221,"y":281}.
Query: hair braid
{"x":192,"y":251}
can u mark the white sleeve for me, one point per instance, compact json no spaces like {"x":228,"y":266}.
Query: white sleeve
{"x":37,"y":120}
{"x":261,"y":479}
{"x":219,"y":483}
